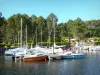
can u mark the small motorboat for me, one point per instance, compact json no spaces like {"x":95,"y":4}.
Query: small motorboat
{"x":34,"y":57}
{"x":73,"y":56}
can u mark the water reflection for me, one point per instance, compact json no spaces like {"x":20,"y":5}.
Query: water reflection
{"x":88,"y":66}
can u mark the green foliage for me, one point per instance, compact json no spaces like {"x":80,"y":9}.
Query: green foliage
{"x":10,"y":28}
{"x":2,"y":45}
{"x":8,"y":45}
{"x":62,"y":43}
{"x":97,"y":43}
{"x":31,"y":44}
{"x":45,"y":43}
{"x":97,"y":39}
{"x":51,"y":43}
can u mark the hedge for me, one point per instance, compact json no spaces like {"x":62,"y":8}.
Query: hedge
{"x":4,"y":45}
{"x":51,"y":43}
{"x":97,"y":43}
{"x":33,"y":44}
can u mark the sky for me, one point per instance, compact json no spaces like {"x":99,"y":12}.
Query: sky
{"x":63,"y":9}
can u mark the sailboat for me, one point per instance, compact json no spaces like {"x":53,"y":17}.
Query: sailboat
{"x":54,"y":50}
{"x":35,"y":54}
{"x":16,"y":52}
{"x":20,"y":51}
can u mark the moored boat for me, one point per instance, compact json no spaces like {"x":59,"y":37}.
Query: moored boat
{"x":16,"y":51}
{"x":73,"y":56}
{"x":34,"y":57}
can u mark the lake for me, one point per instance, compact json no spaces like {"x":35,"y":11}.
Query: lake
{"x":90,"y":65}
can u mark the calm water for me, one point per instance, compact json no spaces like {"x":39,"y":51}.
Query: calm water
{"x":88,"y":66}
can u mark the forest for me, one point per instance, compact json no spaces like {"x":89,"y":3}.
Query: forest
{"x":43,"y":29}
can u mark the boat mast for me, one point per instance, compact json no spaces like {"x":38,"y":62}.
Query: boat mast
{"x":41,"y":36}
{"x":21,"y":33}
{"x":26,"y":35}
{"x":54,"y":31}
{"x":18,"y":38}
{"x":36,"y":35}
{"x":54,"y":35}
{"x":49,"y":32}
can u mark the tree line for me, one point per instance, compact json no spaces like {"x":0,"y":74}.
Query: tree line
{"x":42,"y":29}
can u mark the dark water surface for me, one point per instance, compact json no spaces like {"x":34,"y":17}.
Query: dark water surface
{"x":88,"y":66}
